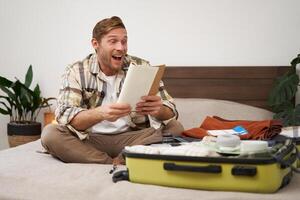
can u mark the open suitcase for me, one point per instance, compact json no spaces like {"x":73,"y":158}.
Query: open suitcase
{"x":260,"y":174}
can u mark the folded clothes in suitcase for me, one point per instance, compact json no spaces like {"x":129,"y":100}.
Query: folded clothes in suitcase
{"x":262,"y":173}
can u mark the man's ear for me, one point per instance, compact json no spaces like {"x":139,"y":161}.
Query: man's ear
{"x":95,"y":43}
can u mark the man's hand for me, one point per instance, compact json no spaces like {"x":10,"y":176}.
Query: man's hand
{"x":149,"y":105}
{"x":153,"y":105}
{"x":112,"y":112}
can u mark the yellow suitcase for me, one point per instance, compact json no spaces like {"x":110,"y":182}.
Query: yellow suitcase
{"x":265,"y":173}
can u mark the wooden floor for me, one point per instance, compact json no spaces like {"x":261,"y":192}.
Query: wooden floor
{"x":248,"y":85}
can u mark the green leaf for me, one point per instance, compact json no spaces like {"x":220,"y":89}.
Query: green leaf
{"x":6,"y":98}
{"x":18,"y":103}
{"x":37,"y":99}
{"x":5,"y":82}
{"x":25,"y":98}
{"x":283,"y":106}
{"x":289,"y":116}
{"x":9,"y":93}
{"x":10,"y":101}
{"x":295,"y":61}
{"x":284,"y":90}
{"x":16,"y":86}
{"x":4,"y":112}
{"x":8,"y":110}
{"x":37,"y":91}
{"x":28,"y":77}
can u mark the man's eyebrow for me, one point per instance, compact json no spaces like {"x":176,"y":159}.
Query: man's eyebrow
{"x":115,"y":36}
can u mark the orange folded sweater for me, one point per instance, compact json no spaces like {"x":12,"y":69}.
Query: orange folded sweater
{"x":257,"y":130}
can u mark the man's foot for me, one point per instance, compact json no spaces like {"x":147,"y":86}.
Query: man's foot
{"x":118,"y":161}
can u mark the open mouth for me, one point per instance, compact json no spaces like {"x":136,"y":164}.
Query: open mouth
{"x":116,"y":57}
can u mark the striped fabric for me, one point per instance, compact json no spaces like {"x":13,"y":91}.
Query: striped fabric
{"x":83,"y":87}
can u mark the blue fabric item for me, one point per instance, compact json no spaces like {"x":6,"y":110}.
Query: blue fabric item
{"x":240,"y":130}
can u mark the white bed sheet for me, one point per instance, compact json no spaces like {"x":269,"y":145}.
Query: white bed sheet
{"x":26,"y":174}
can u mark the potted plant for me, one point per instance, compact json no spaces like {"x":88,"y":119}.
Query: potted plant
{"x":282,"y":96}
{"x":23,"y":106}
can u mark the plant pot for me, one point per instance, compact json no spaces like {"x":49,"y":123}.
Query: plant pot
{"x":49,"y":117}
{"x":21,"y":133}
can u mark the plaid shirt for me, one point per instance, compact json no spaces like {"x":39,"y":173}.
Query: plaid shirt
{"x":83,"y":87}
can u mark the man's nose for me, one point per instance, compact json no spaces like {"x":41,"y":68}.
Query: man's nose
{"x":120,"y":46}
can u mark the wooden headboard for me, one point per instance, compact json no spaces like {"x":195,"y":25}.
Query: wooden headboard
{"x":248,"y":85}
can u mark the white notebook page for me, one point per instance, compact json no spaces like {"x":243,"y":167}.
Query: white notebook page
{"x":137,"y":83}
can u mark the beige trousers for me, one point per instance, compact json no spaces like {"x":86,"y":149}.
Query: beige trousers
{"x":99,"y":148}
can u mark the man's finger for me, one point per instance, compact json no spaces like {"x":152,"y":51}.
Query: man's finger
{"x":149,"y":104}
{"x":121,"y":106}
{"x":119,"y":112}
{"x":151,"y":98}
{"x":147,"y":108}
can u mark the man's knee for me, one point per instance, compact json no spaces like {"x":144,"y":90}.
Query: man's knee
{"x":174,"y":127}
{"x":50,"y":135}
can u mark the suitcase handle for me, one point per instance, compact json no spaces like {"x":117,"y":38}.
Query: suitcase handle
{"x":244,"y":171}
{"x":187,"y":168}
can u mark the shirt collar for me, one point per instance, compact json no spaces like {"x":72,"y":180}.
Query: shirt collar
{"x":94,"y":66}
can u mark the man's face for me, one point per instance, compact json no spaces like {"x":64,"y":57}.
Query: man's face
{"x":111,"y":50}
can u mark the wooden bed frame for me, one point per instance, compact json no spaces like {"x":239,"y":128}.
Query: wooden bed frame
{"x":248,"y":85}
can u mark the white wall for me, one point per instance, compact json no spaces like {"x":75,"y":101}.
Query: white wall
{"x":50,"y":34}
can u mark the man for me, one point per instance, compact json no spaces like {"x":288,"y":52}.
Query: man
{"x":92,"y":127}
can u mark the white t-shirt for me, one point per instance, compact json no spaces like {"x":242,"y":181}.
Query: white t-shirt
{"x":107,"y":127}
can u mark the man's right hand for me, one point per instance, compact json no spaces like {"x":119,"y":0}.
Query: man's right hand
{"x":112,"y":112}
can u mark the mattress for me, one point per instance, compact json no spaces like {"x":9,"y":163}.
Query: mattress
{"x":27,"y":174}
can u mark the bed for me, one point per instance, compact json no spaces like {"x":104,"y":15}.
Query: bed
{"x":26,"y":173}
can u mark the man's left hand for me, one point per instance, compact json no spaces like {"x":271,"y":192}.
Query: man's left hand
{"x":149,"y":105}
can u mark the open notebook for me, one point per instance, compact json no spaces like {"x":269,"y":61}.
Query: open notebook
{"x":140,"y":81}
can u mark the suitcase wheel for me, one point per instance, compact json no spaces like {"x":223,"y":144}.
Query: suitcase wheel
{"x":122,"y":175}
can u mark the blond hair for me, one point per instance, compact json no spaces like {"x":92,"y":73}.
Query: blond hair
{"x":106,"y":25}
